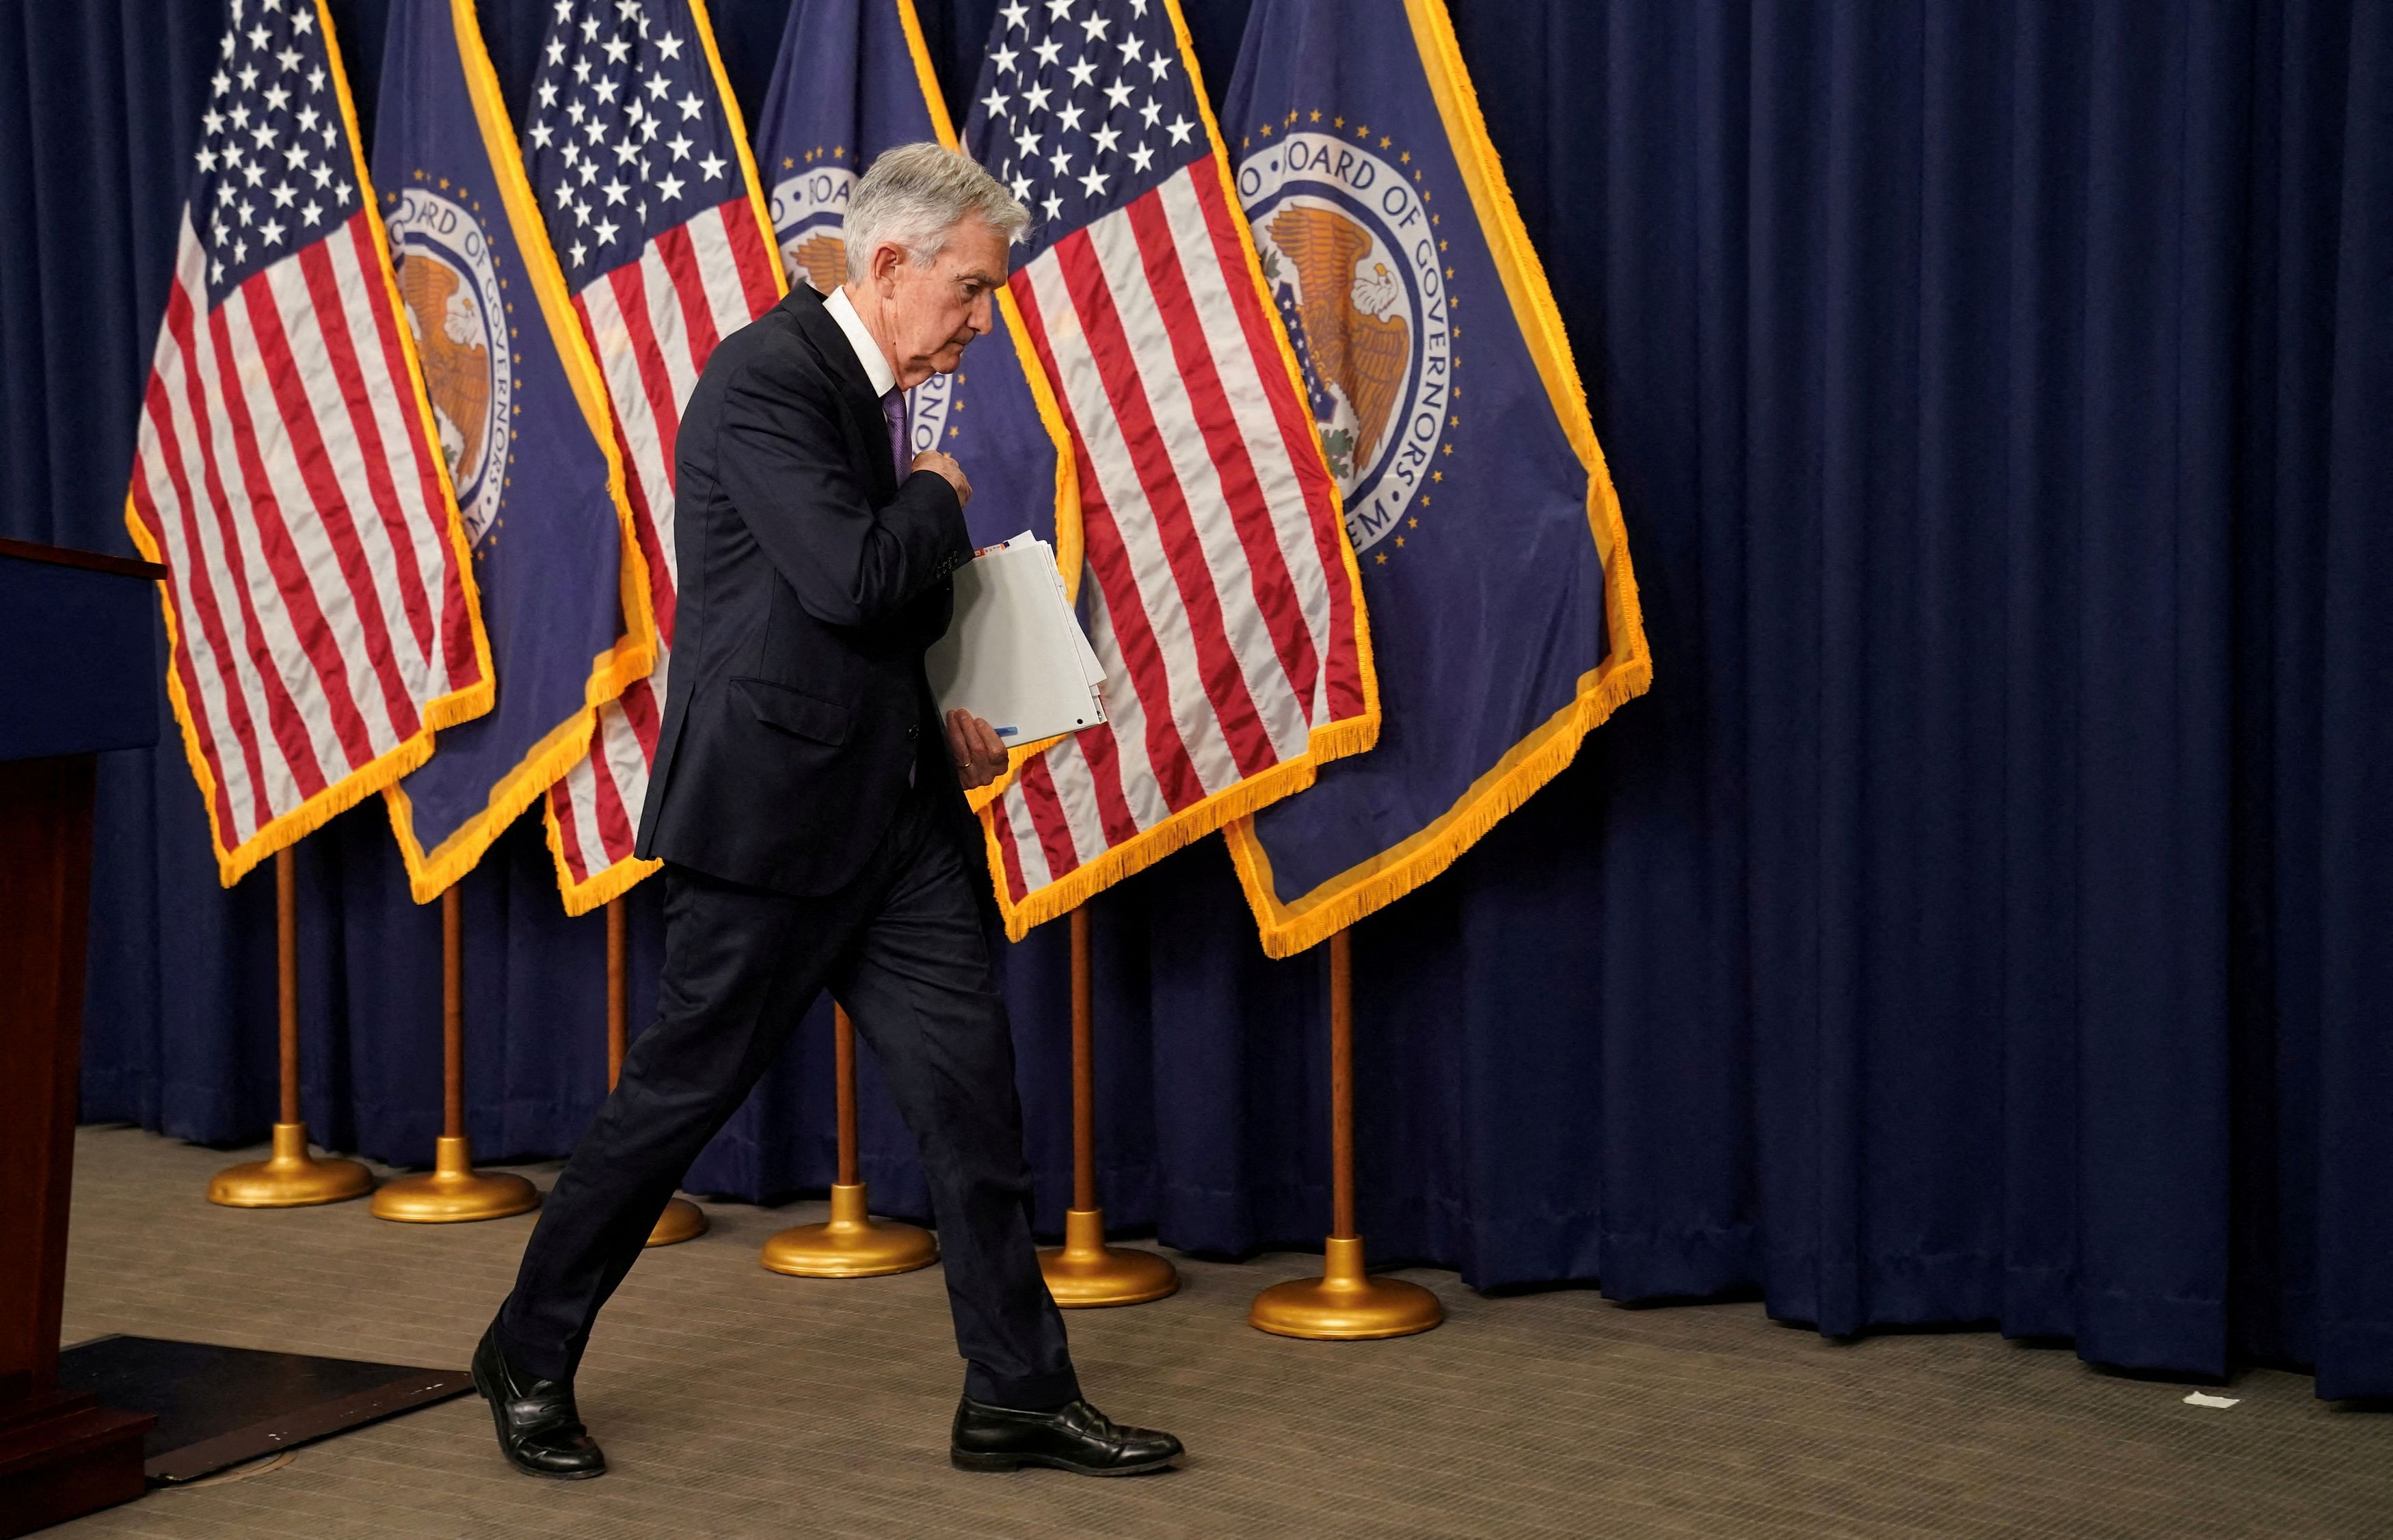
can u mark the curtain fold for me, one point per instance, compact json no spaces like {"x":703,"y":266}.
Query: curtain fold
{"x":2348,"y":1150}
{"x":1984,"y":920}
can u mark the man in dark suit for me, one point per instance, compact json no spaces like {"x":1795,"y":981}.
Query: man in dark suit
{"x":806,"y":800}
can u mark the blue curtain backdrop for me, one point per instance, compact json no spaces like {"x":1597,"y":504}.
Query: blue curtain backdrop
{"x":1985,"y":917}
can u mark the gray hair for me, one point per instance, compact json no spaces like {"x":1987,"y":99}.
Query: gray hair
{"x":914,"y":194}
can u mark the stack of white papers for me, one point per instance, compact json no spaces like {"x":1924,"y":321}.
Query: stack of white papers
{"x":1015,"y":654}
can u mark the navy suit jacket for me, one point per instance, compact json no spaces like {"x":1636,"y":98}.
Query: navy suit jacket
{"x":812,"y":580}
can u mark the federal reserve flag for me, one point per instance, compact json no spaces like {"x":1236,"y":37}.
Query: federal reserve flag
{"x":1504,"y":613}
{"x":522,"y":417}
{"x":321,"y":617}
{"x":854,"y":79}
{"x":1220,"y":594}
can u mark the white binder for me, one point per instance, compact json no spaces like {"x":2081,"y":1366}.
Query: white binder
{"x":1015,"y":654}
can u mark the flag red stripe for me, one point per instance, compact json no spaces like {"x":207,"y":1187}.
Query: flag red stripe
{"x":1167,"y":753}
{"x":282,"y":717}
{"x":1047,"y":817}
{"x":1298,"y":433}
{"x":1274,"y":589}
{"x":180,"y":327}
{"x":1103,"y":757}
{"x":754,"y":263}
{"x":324,"y":290}
{"x":1108,"y":560}
{"x":614,"y":827}
{"x":630,"y":290}
{"x":639,"y":705}
{"x":697,"y":315}
{"x":665,"y":601}
{"x":330,"y":497}
{"x":569,"y":834}
{"x":1110,"y":346}
{"x":644,"y":520}
{"x":1016,"y":885}
{"x":202,"y":728}
{"x":188,"y":604}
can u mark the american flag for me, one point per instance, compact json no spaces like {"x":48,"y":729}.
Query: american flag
{"x":1221,"y":593}
{"x":321,"y":614}
{"x":642,"y":172}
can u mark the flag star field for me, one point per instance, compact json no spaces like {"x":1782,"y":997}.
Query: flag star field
{"x":1085,"y":107}
{"x":274,"y":157}
{"x":624,"y":135}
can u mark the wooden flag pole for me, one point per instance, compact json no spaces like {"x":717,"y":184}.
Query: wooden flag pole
{"x":452,"y":1190}
{"x":291,"y":1178}
{"x":1345,"y":1303}
{"x":851,"y":1244}
{"x":1084,"y":1271}
{"x":682,"y":1220}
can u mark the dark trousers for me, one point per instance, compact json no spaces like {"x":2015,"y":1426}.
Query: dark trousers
{"x":902,"y":948}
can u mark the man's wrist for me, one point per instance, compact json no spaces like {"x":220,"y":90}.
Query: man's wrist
{"x":954,"y":497}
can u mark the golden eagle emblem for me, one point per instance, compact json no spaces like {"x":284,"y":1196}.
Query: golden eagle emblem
{"x":823,"y":258}
{"x":1354,"y":348}
{"x":449,"y":342}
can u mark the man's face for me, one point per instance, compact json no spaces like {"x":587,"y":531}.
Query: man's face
{"x":936,"y":308}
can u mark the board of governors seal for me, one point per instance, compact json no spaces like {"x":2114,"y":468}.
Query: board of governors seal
{"x":1352,"y":266}
{"x":456,"y":312}
{"x":810,"y":226}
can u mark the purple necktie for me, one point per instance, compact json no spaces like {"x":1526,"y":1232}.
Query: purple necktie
{"x":893,"y":407}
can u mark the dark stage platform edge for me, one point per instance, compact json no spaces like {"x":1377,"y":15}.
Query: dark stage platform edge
{"x":219,"y":1406}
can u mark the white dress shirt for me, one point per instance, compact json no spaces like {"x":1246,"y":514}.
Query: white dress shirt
{"x":868,"y":352}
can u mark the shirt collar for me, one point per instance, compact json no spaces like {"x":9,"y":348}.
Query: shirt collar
{"x":868,"y":352}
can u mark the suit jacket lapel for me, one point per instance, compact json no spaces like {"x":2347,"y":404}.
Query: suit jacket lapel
{"x":854,"y":388}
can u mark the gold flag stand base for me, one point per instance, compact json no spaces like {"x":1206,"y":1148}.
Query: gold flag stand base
{"x":682,"y":1220}
{"x":454,"y":1191}
{"x":291,"y":1178}
{"x":1085,"y":1272}
{"x":1345,"y":1304}
{"x":851,"y":1244}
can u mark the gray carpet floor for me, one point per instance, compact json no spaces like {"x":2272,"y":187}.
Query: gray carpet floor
{"x":734,"y":1402}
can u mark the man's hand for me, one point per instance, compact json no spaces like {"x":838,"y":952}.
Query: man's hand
{"x":978,"y":753}
{"x":932,"y":460}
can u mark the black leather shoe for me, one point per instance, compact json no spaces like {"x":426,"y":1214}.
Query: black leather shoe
{"x":540,"y":1432}
{"x":1077,"y":1438}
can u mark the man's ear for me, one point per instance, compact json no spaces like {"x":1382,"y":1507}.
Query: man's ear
{"x":887,"y":258}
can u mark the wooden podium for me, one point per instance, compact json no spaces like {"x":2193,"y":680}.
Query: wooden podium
{"x":78,"y":674}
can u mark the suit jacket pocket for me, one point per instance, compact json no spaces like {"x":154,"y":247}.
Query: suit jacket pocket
{"x":796,"y":711}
